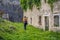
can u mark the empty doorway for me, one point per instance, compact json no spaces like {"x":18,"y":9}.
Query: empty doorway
{"x":46,"y":23}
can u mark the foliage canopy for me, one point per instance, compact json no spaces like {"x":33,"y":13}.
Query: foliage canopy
{"x":29,"y":4}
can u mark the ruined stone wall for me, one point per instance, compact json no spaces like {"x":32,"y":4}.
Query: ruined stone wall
{"x":45,"y":10}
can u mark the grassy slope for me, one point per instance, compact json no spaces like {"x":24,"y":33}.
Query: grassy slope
{"x":18,"y":33}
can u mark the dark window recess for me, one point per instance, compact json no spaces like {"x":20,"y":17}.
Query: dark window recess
{"x":56,"y":20}
{"x":45,"y":1}
{"x":39,"y":20}
{"x":31,"y":20}
{"x":46,"y":23}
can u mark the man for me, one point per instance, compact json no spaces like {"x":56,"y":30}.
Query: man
{"x":25,"y":22}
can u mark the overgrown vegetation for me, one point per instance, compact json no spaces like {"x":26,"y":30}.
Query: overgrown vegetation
{"x":30,"y":4}
{"x":25,"y":4}
{"x":15,"y":31}
{"x":50,"y":2}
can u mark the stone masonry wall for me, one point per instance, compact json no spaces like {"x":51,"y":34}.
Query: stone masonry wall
{"x":45,"y":10}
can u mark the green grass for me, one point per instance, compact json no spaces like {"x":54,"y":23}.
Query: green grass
{"x":18,"y":32}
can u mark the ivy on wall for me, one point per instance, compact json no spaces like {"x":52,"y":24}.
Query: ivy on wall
{"x":37,"y":3}
{"x":29,"y":4}
{"x":50,"y":2}
{"x":25,"y":4}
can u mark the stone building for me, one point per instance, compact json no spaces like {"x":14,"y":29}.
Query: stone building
{"x":45,"y":18}
{"x":12,"y":10}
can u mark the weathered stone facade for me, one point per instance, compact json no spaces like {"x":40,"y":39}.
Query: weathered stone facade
{"x":44,"y":18}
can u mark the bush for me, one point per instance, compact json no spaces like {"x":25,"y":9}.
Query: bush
{"x":1,"y":20}
{"x":1,"y":38}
